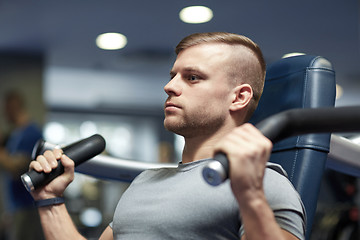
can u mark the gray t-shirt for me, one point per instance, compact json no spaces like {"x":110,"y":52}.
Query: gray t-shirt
{"x":176,"y":203}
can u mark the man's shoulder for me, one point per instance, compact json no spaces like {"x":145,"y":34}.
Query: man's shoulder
{"x":153,"y":174}
{"x":279,"y":191}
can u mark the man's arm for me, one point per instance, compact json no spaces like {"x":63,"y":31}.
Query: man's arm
{"x":55,"y":219}
{"x":259,"y":221}
{"x":248,"y":152}
{"x":57,"y":223}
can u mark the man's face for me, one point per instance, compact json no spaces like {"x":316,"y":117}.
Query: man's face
{"x":199,"y":90}
{"x":11,"y":110}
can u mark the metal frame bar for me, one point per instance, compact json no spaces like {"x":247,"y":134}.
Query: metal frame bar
{"x":344,"y":156}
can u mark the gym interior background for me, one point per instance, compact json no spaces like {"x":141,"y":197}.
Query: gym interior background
{"x":73,"y":88}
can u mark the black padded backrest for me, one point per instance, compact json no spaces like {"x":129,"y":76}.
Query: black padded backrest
{"x":300,"y":82}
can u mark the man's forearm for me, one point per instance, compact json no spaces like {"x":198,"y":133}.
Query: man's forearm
{"x":57,"y":223}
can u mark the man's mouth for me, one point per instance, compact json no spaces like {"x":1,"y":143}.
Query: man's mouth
{"x":171,"y":105}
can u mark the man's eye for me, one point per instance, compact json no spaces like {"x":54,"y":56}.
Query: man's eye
{"x":193,"y":77}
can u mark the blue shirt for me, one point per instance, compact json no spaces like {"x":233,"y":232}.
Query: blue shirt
{"x":21,"y":141}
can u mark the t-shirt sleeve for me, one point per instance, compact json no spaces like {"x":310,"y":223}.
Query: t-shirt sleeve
{"x":285,"y":202}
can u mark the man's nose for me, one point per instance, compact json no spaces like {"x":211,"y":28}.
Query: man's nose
{"x":173,"y":87}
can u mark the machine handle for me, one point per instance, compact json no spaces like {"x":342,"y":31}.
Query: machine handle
{"x":291,"y":123}
{"x":79,"y":152}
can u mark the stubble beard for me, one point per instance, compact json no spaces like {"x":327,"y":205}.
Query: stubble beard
{"x":199,"y":125}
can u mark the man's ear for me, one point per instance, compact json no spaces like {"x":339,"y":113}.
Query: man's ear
{"x":241,"y":97}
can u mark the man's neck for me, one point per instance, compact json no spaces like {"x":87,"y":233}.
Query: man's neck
{"x":201,"y":147}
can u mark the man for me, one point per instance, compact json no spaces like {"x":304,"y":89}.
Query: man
{"x":14,"y":159}
{"x":216,"y":83}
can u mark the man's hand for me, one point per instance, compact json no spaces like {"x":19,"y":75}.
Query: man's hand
{"x":248,"y":151}
{"x":55,"y":219}
{"x":47,"y":162}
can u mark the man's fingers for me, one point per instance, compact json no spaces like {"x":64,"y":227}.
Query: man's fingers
{"x":66,"y":161}
{"x":68,"y":166}
{"x":52,"y":158}
{"x":36,"y":166}
{"x":58,"y":153}
{"x":44,"y":163}
{"x":47,"y":161}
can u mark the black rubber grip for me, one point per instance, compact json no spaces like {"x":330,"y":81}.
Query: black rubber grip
{"x":79,"y":152}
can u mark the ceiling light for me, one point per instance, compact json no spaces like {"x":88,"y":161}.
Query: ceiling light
{"x":196,"y":14}
{"x":111,"y":41}
{"x":293,"y":54}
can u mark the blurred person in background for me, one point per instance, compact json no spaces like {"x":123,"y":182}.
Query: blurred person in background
{"x":15,"y":155}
